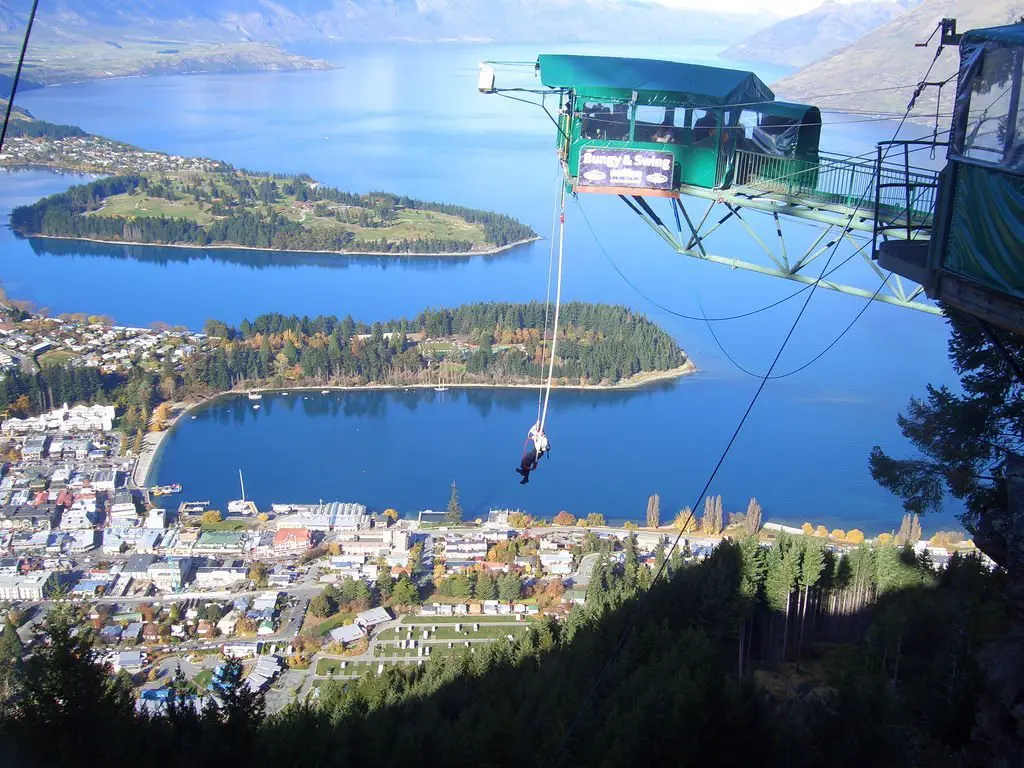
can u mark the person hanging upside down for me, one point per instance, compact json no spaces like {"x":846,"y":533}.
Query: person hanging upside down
{"x":537,"y":444}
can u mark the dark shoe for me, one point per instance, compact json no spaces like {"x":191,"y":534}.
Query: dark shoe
{"x":525,"y":480}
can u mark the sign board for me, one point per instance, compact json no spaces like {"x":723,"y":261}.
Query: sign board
{"x":635,"y":169}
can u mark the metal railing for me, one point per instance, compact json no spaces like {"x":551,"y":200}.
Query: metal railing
{"x":897,"y":192}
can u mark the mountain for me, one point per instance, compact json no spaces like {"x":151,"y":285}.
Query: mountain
{"x":285,"y":21}
{"x":800,"y":40}
{"x":887,"y":59}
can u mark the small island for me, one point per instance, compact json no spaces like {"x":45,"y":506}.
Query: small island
{"x":157,"y":199}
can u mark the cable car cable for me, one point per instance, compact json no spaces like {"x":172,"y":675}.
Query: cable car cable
{"x":17,"y":72}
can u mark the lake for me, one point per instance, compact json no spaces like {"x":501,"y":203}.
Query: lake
{"x":408,"y":119}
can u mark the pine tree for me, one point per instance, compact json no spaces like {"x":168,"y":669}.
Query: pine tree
{"x":454,"y":514}
{"x":485,"y":589}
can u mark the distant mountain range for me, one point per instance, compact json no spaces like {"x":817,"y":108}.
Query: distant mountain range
{"x":883,"y":67}
{"x":284,"y":21}
{"x":800,"y":40}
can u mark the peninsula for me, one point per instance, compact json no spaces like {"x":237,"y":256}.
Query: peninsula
{"x":77,"y":359}
{"x":159,"y":199}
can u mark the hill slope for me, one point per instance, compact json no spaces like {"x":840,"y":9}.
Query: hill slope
{"x":800,"y":40}
{"x":887,"y":59}
{"x":280,"y":21}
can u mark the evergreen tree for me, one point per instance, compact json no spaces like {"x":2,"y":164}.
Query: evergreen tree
{"x":454,"y":514}
{"x":509,"y":587}
{"x":485,"y":589}
{"x":752,"y":521}
{"x":405,"y":592}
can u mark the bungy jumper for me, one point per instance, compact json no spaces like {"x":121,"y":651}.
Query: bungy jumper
{"x":537,"y":445}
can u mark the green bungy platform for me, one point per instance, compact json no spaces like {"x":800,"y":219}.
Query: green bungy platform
{"x":694,"y":110}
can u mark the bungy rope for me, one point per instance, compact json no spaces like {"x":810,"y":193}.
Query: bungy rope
{"x":558,"y":306}
{"x":547,"y":296}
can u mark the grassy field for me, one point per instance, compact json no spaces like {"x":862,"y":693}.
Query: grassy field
{"x":55,"y":357}
{"x":202,"y":680}
{"x":408,"y":225}
{"x":428,"y":621}
{"x":449,"y":633}
{"x":141,"y":206}
{"x":228,"y":525}
{"x":334,"y":622}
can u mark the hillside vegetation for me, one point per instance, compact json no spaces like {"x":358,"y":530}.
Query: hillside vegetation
{"x":230,"y":207}
{"x":640,"y":674}
{"x":800,"y":40}
{"x":887,"y":64}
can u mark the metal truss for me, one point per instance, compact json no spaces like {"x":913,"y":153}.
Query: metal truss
{"x":779,"y":261}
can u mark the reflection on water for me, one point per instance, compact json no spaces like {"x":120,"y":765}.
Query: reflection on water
{"x":165,"y":255}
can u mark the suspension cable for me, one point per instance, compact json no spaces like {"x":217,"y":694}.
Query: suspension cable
{"x":17,"y":72}
{"x":558,"y":307}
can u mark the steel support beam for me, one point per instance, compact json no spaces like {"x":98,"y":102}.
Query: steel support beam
{"x":692,"y":244}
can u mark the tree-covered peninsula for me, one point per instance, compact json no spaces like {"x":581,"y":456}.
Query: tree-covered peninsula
{"x":217,"y":205}
{"x":486,"y":344}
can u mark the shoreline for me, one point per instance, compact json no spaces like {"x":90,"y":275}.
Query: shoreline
{"x":153,"y":441}
{"x":231,"y":247}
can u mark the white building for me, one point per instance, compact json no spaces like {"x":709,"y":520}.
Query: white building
{"x":32,"y":586}
{"x":156,"y":519}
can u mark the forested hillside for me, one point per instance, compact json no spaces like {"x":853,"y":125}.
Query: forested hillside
{"x":714,"y":665}
{"x":241,"y":208}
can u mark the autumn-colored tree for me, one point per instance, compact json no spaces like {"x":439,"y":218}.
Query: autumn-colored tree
{"x":22,"y":406}
{"x":564,"y":518}
{"x":391,"y":514}
{"x":160,"y":417}
{"x":212,"y":516}
{"x":855,"y":536}
{"x":884,"y":538}
{"x":629,"y":525}
{"x":520,"y":520}
{"x":263,"y":517}
{"x":595,"y":519}
{"x":821,"y":530}
{"x":839,"y":534}
{"x":808,"y":529}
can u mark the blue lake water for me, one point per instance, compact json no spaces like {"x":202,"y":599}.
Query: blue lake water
{"x":408,"y":119}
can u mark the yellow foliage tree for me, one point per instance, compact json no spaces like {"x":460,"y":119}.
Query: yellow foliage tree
{"x":821,"y":530}
{"x":391,"y":513}
{"x":884,"y":538}
{"x":808,"y":529}
{"x":212,"y":516}
{"x":159,"y":421}
{"x":839,"y":533}
{"x":263,"y":517}
{"x":855,"y":536}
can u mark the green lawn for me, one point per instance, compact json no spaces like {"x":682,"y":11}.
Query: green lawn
{"x":229,"y":525}
{"x":128,"y":205}
{"x":55,"y":357}
{"x":203,"y":679}
{"x":337,"y":620}
{"x":429,"y":621}
{"x":449,"y":633}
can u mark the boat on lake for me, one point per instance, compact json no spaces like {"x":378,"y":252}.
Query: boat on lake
{"x":165,"y":490}
{"x":255,"y":395}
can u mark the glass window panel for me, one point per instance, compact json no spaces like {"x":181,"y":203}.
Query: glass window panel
{"x":991,"y":91}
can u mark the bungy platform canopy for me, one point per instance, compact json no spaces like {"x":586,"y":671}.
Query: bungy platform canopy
{"x":647,"y":127}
